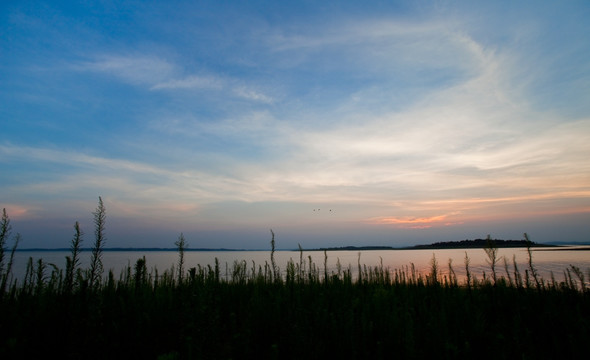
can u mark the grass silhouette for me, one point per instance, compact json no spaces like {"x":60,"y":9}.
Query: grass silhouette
{"x":260,"y":310}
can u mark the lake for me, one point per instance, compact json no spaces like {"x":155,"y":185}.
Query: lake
{"x":545,"y":260}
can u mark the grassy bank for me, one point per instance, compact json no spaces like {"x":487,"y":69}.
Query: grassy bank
{"x":247,"y":310}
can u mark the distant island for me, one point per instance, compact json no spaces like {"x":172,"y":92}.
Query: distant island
{"x":462,"y":244}
{"x":479,"y":244}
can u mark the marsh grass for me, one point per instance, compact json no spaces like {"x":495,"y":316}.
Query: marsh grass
{"x":180,"y":245}
{"x":96,"y":268}
{"x":6,"y":269}
{"x":491,"y":250}
{"x":302,"y":311}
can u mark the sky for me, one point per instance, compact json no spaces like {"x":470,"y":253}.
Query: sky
{"x":333,"y":123}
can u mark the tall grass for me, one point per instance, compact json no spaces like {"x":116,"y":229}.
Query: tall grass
{"x":73,"y":262}
{"x":258,"y":310}
{"x":491,"y":251}
{"x":5,"y":232}
{"x":180,"y":245}
{"x":96,"y":269}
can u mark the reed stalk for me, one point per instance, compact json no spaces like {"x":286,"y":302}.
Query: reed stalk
{"x":531,"y":267}
{"x":510,"y":283}
{"x":5,"y":230}
{"x":96,"y":269}
{"x":272,"y":256}
{"x":73,"y":262}
{"x":180,"y":246}
{"x":467,"y":271}
{"x":452,"y":275}
{"x":491,"y":250}
{"x":5,"y":278}
{"x":433,"y":276}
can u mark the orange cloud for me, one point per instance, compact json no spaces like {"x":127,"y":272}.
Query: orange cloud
{"x":492,"y":208}
{"x":415,"y":222}
{"x":16,"y":211}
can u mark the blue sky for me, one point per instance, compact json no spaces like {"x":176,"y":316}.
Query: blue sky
{"x":333,"y":123}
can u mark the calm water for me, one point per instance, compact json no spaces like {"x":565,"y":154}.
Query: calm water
{"x":545,"y":261}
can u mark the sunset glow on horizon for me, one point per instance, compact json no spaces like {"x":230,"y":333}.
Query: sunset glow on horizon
{"x":341,"y":124}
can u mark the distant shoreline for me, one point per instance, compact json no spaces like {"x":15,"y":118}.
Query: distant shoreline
{"x":463,"y":244}
{"x":140,"y":249}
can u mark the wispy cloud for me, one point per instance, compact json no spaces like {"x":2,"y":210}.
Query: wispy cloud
{"x":428,"y":117}
{"x":191,"y":82}
{"x":156,"y":73}
{"x":252,"y":94}
{"x":454,"y":138}
{"x":135,"y":69}
{"x":223,"y":85}
{"x":126,"y":178}
{"x":389,"y":47}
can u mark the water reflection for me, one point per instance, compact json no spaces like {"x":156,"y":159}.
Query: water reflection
{"x":545,"y":260}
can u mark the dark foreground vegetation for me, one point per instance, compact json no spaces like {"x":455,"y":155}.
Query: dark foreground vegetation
{"x":244,"y":310}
